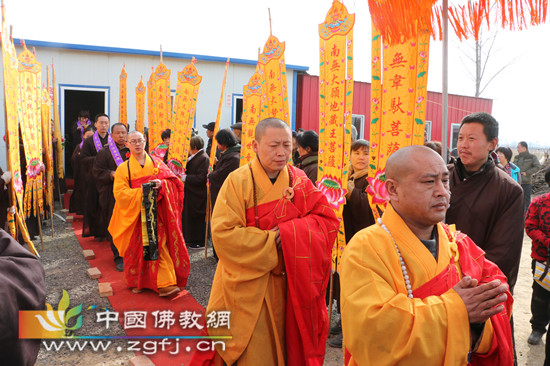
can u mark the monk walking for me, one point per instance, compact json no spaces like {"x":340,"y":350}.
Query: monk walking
{"x":414,"y":290}
{"x":146,"y":222}
{"x":105,"y":165}
{"x":88,"y":152}
{"x":273,"y":232}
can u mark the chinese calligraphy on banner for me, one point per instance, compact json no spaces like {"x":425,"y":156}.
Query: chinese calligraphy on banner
{"x":335,"y":109}
{"x":274,"y":90}
{"x":252,"y":95}
{"x":140,"y":106}
{"x":184,"y":115}
{"x":30,"y":101}
{"x":398,"y":105}
{"x":122,"y":99}
{"x":160,"y":105}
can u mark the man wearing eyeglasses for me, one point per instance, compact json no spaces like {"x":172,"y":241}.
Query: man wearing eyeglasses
{"x":90,"y":148}
{"x":146,"y":222}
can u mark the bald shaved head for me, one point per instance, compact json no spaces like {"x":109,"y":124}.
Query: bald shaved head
{"x":269,"y":123}
{"x":136,"y":143}
{"x":403,"y":161}
{"x":417,"y":181}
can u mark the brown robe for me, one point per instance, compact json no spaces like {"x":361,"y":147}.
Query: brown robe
{"x":91,"y":223}
{"x":488,"y":207}
{"x":194,"y":199}
{"x":23,"y":287}
{"x":357,"y":212}
{"x":76,"y":203}
{"x":104,"y":165}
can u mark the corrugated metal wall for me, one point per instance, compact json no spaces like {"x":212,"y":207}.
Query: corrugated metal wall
{"x":307,"y":109}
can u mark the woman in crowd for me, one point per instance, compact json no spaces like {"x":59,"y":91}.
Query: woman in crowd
{"x":357,"y":215}
{"x":308,"y":148}
{"x":505,"y":158}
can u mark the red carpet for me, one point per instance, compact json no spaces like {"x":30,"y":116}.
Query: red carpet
{"x":123,"y":300}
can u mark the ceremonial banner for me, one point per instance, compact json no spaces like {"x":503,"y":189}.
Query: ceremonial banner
{"x":273,"y":72}
{"x":252,"y":98}
{"x":161,"y":105}
{"x":184,"y":115}
{"x":150,"y":101}
{"x":140,"y":106}
{"x":218,"y":118}
{"x":11,"y":96}
{"x":31,"y":130}
{"x":398,"y":104}
{"x":57,"y":129}
{"x":335,"y":110}
{"x":47,"y":146}
{"x":122,"y":99}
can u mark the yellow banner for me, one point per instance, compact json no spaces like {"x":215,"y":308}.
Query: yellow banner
{"x":57,"y":129}
{"x":184,"y":115}
{"x":160,"y":104}
{"x":218,"y":118}
{"x":122,"y":99}
{"x":398,"y":104}
{"x":252,"y":98}
{"x":31,"y":129}
{"x":140,"y":106}
{"x":274,"y":90}
{"x":47,"y":146}
{"x":335,"y":111}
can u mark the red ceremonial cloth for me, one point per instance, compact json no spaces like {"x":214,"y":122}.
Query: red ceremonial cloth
{"x":474,"y":264}
{"x":141,"y":273}
{"x":308,"y":228}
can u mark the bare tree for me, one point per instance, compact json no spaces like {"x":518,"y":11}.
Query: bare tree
{"x":482,"y":54}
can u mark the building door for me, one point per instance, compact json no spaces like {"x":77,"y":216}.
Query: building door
{"x":73,"y":100}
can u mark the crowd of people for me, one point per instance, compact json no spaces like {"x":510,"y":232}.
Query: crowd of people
{"x":429,"y":280}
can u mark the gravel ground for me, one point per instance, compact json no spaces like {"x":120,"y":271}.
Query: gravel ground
{"x":66,"y":269}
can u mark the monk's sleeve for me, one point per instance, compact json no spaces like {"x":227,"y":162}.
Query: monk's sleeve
{"x":127,"y":198}
{"x":382,"y":326}
{"x":101,"y":170}
{"x":240,"y":247}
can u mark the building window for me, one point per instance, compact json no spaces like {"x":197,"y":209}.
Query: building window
{"x":428,"y":131}
{"x":455,"y":127}
{"x":358,"y":120}
{"x":237,"y":108}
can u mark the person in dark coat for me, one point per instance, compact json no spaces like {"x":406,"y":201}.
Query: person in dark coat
{"x":357,"y":215}
{"x":295,"y":154}
{"x":209,"y":127}
{"x":195,"y":195}
{"x":5,"y":179}
{"x":229,"y":161}
{"x":23,"y":287}
{"x":76,"y":202}
{"x":79,"y":126}
{"x":308,"y":148}
{"x":90,"y":148}
{"x":486,"y":203}
{"x":165,"y":136}
{"x":105,"y":165}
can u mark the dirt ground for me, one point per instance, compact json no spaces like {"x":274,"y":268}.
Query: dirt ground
{"x":66,"y":269}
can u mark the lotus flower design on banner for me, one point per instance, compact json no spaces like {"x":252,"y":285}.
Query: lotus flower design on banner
{"x":377,"y":188}
{"x":332,"y":189}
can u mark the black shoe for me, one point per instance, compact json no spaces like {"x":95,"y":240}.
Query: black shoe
{"x":337,"y":329}
{"x":196,"y":245}
{"x":336,"y":341}
{"x":535,"y":337}
{"x":119,"y":266}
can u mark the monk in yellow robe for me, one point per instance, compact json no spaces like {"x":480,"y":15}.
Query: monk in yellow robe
{"x":273,"y":232}
{"x":415,"y":291}
{"x":149,"y":238}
